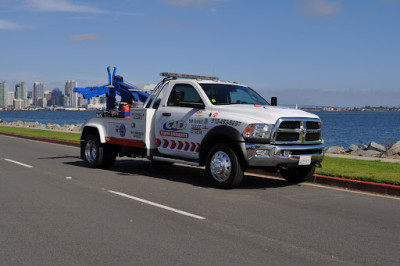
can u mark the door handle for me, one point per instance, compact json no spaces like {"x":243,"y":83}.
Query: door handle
{"x":166,"y":114}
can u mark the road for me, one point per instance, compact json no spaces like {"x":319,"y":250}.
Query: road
{"x":55,"y":211}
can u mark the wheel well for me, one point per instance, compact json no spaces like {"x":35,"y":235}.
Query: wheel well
{"x":89,"y":131}
{"x":207,"y":145}
{"x":86,"y":132}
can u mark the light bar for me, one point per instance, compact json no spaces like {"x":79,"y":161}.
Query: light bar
{"x":186,"y":76}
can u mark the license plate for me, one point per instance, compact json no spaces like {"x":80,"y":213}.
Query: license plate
{"x":305,"y":160}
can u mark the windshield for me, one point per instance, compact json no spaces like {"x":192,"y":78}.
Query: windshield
{"x":221,"y":94}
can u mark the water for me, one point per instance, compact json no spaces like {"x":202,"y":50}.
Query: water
{"x":45,"y":117}
{"x":339,"y":128}
{"x":357,"y":127}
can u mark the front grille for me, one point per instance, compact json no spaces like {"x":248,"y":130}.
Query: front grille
{"x":290,"y":124}
{"x":283,"y":136}
{"x":297,"y":131}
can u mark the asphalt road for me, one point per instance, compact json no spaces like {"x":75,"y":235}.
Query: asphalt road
{"x":55,"y":211}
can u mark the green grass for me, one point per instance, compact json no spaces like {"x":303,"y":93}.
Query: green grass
{"x":47,"y":134}
{"x":365,"y":170}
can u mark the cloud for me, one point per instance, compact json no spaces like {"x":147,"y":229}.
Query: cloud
{"x":8,"y":25}
{"x":87,"y":37}
{"x":319,"y":8}
{"x":60,"y":6}
{"x":186,"y":3}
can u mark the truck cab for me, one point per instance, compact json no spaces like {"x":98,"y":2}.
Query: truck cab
{"x":225,"y":126}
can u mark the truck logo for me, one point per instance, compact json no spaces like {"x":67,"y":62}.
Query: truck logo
{"x":122,"y":130}
{"x":174,"y":125}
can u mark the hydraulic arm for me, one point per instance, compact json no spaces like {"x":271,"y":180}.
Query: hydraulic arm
{"x":116,"y":86}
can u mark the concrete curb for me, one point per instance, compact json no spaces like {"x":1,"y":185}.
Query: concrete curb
{"x":378,"y":188}
{"x":63,"y":142}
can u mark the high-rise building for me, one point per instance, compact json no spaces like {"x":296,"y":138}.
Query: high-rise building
{"x":56,"y":97}
{"x":38,"y":92}
{"x":21,"y":92}
{"x":70,"y":85}
{"x":19,"y":104}
{"x":30,"y":97}
{"x":11,"y":96}
{"x":3,"y":94}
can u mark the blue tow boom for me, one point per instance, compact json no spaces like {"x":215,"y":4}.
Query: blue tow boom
{"x":116,"y":85}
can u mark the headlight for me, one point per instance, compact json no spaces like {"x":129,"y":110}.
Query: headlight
{"x":258,"y":131}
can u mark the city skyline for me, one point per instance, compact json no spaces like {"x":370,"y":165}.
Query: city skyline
{"x":22,"y":98}
{"x":308,"y":52}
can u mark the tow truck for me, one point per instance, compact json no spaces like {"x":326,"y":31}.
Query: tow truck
{"x":202,"y":121}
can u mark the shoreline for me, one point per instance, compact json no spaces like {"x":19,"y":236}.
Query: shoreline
{"x":71,"y":128}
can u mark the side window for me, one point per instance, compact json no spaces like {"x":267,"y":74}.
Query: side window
{"x":188,"y":94}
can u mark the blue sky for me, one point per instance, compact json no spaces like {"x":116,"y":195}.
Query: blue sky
{"x":309,"y":52}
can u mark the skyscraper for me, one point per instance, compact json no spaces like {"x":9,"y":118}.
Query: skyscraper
{"x":3,"y":94}
{"x":11,"y":98}
{"x":21,"y":92}
{"x":56,"y":97}
{"x":73,"y":96}
{"x":38,"y":92}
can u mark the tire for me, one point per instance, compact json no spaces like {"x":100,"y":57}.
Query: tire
{"x":223,"y":167}
{"x":97,"y":155}
{"x":298,"y":175}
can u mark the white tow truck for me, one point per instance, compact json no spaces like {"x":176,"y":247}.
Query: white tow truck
{"x":203,"y":121}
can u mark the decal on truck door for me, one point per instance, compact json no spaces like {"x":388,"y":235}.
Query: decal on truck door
{"x":174,"y":125}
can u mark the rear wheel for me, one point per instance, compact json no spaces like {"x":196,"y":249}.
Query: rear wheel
{"x":298,"y":175}
{"x":223,"y":167}
{"x":97,"y":155}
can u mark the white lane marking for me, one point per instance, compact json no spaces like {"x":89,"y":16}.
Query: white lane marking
{"x":12,"y":161}
{"x":157,"y":205}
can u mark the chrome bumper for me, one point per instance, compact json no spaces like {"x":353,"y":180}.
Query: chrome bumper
{"x":273,"y":155}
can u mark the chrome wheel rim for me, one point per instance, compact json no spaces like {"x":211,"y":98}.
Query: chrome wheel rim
{"x":220,"y":166}
{"x":91,"y":151}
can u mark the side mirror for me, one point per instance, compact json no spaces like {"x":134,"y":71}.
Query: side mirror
{"x":274,"y":101}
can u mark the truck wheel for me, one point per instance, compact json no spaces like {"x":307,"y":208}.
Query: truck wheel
{"x":298,"y":175}
{"x":96,"y":155}
{"x":223,"y":167}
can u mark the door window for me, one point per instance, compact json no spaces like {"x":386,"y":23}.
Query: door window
{"x":188,"y":94}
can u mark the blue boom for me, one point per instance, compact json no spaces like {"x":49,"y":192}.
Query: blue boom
{"x":116,"y":85}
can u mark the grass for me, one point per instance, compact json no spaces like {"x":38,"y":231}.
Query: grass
{"x":47,"y":134}
{"x":374,"y":171}
{"x":365,"y":170}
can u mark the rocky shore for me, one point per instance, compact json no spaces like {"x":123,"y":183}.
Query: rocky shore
{"x":36,"y":125}
{"x":372,"y":150}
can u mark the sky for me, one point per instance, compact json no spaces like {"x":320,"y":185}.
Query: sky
{"x":306,"y":52}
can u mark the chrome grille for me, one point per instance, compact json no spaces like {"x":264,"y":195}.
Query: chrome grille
{"x":297,"y":131}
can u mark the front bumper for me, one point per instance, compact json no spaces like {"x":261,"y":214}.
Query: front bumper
{"x":267,"y":155}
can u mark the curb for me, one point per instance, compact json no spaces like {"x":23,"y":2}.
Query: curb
{"x":365,"y":186}
{"x":56,"y":141}
{"x":351,"y":184}
{"x":378,"y":188}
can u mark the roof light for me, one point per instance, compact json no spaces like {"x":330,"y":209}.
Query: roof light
{"x":187,"y":76}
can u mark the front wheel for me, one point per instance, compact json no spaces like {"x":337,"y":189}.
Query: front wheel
{"x":298,"y":175}
{"x":97,"y":155}
{"x":223,"y":167}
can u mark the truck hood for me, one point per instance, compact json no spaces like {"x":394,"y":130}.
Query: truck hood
{"x":260,"y":113}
